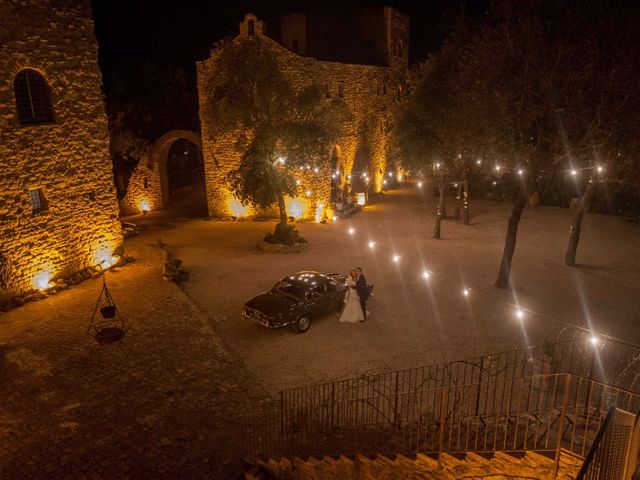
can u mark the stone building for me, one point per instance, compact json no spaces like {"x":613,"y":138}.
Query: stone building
{"x":58,"y":209}
{"x":361,"y":59}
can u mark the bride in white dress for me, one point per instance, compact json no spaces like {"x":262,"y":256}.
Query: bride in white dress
{"x":352,"y":311}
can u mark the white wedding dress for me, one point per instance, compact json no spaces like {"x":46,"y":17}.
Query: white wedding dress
{"x":352,"y":311}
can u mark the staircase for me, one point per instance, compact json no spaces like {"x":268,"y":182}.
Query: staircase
{"x":500,"y":465}
{"x":504,"y":416}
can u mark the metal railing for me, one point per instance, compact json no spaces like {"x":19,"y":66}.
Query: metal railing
{"x":614,"y":452}
{"x":544,"y":413}
{"x":576,"y":356}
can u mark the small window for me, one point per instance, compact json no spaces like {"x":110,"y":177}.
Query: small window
{"x":252,"y":28}
{"x":33,"y":98}
{"x":296,"y":45}
{"x":38,"y":202}
{"x":341,"y":89}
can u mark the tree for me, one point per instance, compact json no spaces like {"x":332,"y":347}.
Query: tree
{"x":278,"y":128}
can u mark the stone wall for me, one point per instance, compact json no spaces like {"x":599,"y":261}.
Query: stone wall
{"x":369,"y":93}
{"x":67,"y":158}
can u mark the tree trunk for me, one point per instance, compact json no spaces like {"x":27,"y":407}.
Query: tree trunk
{"x":282,"y":232}
{"x":465,"y":200}
{"x":440,"y":209}
{"x":456,"y":213}
{"x":576,"y":226}
{"x":510,"y":240}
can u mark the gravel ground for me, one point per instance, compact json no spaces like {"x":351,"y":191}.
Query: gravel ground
{"x":413,"y":321}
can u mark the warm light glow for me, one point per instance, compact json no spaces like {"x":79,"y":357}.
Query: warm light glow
{"x":319,"y":211}
{"x":519,"y":314}
{"x":574,"y":172}
{"x":594,"y":340}
{"x":396,"y":258}
{"x":362,"y":199}
{"x":495,"y":183}
{"x":600,"y":169}
{"x":520,"y":172}
{"x":419,"y":184}
{"x":237,"y":208}
{"x":334,"y":218}
{"x":281,"y":160}
{"x":298,"y":182}
{"x":352,"y":231}
{"x":384,"y":182}
{"x":437,"y":164}
{"x":478,"y":162}
{"x":426,"y":274}
{"x":349,"y":177}
{"x":308,"y":193}
{"x":390,"y":174}
{"x":144,"y":206}
{"x":295,"y":207}
{"x":465,"y":292}
{"x":497,"y":168}
{"x":41,"y":280}
{"x":372,"y":245}
{"x":400,"y":177}
{"x":316,"y":170}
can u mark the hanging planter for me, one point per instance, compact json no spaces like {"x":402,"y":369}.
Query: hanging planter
{"x":108,"y":312}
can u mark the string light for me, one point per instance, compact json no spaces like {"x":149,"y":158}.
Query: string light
{"x":419,"y":184}
{"x":315,"y":170}
{"x":281,"y":160}
{"x":390,"y":174}
{"x":478,"y":162}
{"x":574,"y":172}
{"x":519,"y":314}
{"x":495,"y":183}
{"x":465,"y":292}
{"x":520,"y":172}
{"x":497,"y":168}
{"x":298,"y":182}
{"x":600,"y":169}
{"x":594,"y":340}
{"x":384,"y":182}
{"x":349,"y":177}
{"x":372,"y":245}
{"x":308,"y":193}
{"x":437,"y":164}
{"x":334,"y":218}
{"x":426,"y":274}
{"x":352,"y":231}
{"x":396,"y":258}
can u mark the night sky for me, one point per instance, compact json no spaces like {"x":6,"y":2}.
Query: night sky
{"x":180,"y":33}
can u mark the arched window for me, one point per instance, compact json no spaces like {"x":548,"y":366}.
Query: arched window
{"x":33,"y":98}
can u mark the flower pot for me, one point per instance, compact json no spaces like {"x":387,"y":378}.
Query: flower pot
{"x":108,"y":312}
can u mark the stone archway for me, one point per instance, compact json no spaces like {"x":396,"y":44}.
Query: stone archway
{"x":337,"y":174}
{"x":164,"y":159}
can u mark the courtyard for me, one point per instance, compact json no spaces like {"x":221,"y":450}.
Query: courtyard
{"x":413,"y":320}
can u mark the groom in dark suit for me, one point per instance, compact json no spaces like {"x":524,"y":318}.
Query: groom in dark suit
{"x":363,"y":293}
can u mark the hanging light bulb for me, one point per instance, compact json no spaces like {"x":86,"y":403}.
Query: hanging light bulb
{"x":426,"y":274}
{"x":372,"y":245}
{"x":352,"y":231}
{"x":396,"y":258}
{"x":465,"y":292}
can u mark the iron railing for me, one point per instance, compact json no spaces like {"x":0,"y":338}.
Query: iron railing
{"x":614,"y":452}
{"x":543,"y":413}
{"x":578,"y":356}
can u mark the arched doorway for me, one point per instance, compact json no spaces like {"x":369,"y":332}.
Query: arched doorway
{"x":185,"y":177}
{"x":178,"y":157}
{"x":336,"y":175}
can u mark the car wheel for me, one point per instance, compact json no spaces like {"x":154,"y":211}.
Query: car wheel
{"x":303,"y":324}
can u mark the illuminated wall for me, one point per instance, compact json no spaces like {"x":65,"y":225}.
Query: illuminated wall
{"x":368,"y":91}
{"x":67,"y":159}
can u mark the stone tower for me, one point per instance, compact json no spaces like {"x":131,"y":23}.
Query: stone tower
{"x":58,"y":209}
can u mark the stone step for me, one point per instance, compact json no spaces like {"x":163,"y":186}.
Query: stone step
{"x":505,"y":465}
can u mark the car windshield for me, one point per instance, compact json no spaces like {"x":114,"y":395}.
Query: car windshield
{"x":289,"y":289}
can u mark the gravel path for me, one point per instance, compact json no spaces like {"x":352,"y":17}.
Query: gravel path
{"x":412,"y":321}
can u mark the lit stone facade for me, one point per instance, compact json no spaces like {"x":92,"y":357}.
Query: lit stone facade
{"x":369,"y":92}
{"x":66,"y":157}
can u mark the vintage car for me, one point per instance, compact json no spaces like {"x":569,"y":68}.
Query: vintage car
{"x":297,"y":299}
